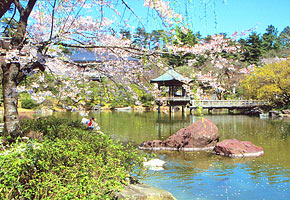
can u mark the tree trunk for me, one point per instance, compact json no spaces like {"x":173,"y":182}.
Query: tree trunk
{"x":10,"y":81}
{"x":12,"y":75}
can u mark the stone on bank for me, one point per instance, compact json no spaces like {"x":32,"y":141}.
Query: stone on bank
{"x":143,"y":192}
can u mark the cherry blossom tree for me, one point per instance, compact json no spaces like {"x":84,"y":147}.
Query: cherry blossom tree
{"x":220,"y":58}
{"x":45,"y":31}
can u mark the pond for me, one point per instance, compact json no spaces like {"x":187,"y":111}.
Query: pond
{"x":202,"y":175}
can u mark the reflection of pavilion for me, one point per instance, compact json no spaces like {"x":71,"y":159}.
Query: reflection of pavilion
{"x":176,"y":95}
{"x":167,"y":125}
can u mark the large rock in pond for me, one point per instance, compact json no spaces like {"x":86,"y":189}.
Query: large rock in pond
{"x":143,"y":192}
{"x":236,"y":148}
{"x":201,"y":135}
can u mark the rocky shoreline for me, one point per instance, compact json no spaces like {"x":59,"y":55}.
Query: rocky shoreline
{"x":176,"y":149}
{"x":274,"y":114}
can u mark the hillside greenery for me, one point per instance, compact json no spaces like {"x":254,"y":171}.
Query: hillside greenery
{"x":254,"y":49}
{"x":270,"y":83}
{"x":65,"y":160}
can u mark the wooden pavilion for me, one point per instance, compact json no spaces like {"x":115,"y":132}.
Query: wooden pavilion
{"x":176,"y":93}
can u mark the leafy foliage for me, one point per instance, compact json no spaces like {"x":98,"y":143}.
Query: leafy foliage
{"x":285,"y":37}
{"x":27,"y":102}
{"x":269,"y":44}
{"x":71,"y":163}
{"x":252,"y":48}
{"x":270,"y":39}
{"x":9,"y":26}
{"x":154,"y":40}
{"x":183,"y":38}
{"x":270,"y":82}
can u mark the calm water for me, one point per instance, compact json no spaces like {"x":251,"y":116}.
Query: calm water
{"x":202,"y":175}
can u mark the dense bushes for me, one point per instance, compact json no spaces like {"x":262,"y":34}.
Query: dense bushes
{"x":270,"y":83}
{"x":69,"y":162}
{"x":27,"y":102}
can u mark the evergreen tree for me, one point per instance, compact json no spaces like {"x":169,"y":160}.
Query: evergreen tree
{"x":284,"y":38}
{"x":252,"y":48}
{"x":141,"y":38}
{"x":126,"y":34}
{"x":182,"y":38}
{"x":270,"y":39}
{"x":187,"y":38}
{"x":157,"y":39}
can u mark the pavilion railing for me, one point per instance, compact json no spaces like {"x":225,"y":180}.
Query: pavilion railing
{"x":176,"y":99}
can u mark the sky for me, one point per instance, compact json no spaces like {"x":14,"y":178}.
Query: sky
{"x":223,"y":16}
{"x":210,"y":16}
{"x":239,"y":15}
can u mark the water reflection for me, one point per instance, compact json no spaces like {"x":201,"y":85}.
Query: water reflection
{"x":202,"y":175}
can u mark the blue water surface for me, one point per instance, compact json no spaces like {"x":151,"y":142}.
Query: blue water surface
{"x":202,"y":175}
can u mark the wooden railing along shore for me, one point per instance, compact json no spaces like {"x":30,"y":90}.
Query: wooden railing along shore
{"x":210,"y":104}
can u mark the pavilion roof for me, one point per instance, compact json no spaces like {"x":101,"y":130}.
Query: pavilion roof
{"x":171,"y":75}
{"x":84,"y":56}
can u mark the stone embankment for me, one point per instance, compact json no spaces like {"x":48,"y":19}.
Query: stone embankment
{"x":283,"y":114}
{"x":280,"y":114}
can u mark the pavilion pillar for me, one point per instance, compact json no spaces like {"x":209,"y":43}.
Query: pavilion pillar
{"x":183,"y":92}
{"x":171,"y":91}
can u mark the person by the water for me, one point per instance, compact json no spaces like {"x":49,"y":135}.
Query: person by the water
{"x":91,"y":123}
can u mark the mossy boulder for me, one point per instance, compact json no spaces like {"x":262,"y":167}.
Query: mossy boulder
{"x":143,"y":192}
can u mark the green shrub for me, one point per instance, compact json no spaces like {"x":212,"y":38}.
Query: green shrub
{"x":147,"y":99}
{"x":70,"y":163}
{"x":119,"y":104}
{"x":28,"y":103}
{"x":52,"y":127}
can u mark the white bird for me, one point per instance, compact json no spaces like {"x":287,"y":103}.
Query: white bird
{"x":155,"y":164}
{"x":85,"y":120}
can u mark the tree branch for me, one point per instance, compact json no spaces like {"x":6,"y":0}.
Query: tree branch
{"x":18,"y":6}
{"x":77,"y":14}
{"x":10,"y":20}
{"x":127,"y":6}
{"x":28,"y":69}
{"x":129,"y":49}
{"x":29,"y":8}
{"x":98,"y":46}
{"x":52,"y":20}
{"x":4,"y":6}
{"x":22,"y":25}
